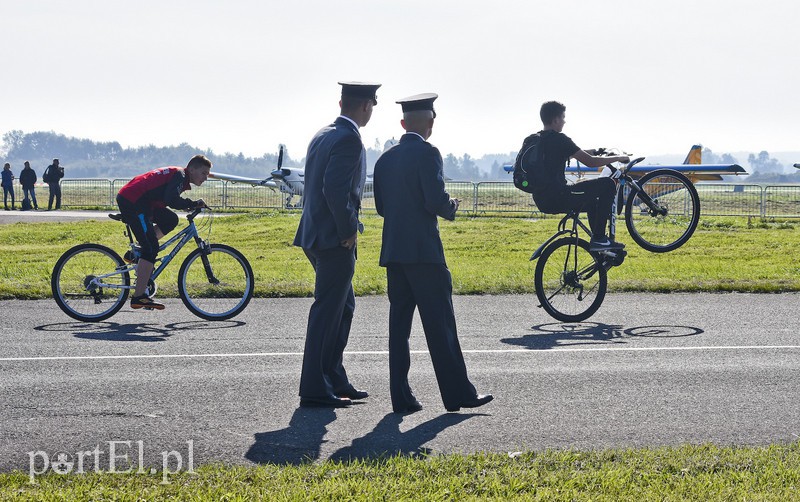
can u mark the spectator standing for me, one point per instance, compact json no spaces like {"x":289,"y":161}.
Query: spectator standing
{"x":52,"y":176}
{"x":8,"y":185}
{"x":28,"y":179}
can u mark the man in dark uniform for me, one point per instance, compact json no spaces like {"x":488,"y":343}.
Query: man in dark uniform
{"x":334,"y":181}
{"x":410,"y":194}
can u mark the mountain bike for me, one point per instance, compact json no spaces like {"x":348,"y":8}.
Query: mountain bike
{"x":662,"y":212}
{"x":91,"y":282}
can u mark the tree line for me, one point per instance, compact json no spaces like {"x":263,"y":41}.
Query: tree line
{"x":84,"y":158}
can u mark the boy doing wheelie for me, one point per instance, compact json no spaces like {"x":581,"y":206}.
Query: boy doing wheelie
{"x":550,"y":190}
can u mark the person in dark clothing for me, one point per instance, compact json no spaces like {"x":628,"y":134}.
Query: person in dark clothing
{"x":52,"y":176}
{"x":28,"y":178}
{"x":8,"y":185}
{"x":410,"y":194}
{"x":143,"y":203}
{"x":551,"y":192}
{"x":336,"y":170}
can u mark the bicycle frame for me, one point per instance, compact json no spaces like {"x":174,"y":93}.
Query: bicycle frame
{"x":623,"y":179}
{"x":562,"y":230}
{"x":182,"y":238}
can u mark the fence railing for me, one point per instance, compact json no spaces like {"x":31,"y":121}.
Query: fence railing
{"x":489,"y":197}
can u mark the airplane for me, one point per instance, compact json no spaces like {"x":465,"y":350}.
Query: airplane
{"x":290,"y":181}
{"x":692,"y":167}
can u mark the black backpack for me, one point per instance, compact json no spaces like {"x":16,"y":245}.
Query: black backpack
{"x":529,"y":160}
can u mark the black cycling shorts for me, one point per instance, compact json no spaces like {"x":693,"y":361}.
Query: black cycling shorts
{"x":141,"y":219}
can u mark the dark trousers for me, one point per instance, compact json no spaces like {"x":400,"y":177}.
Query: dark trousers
{"x":429,"y":288}
{"x":31,"y":194}
{"x":329,"y":322}
{"x":55,"y":192}
{"x":6,"y":193}
{"x":593,"y":196}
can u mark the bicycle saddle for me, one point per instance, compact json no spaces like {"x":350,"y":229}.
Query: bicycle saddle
{"x":117,"y":216}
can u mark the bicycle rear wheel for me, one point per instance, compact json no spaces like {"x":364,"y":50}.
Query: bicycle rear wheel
{"x":666,"y":215}
{"x":570,"y":282}
{"x":90,"y":282}
{"x":218,"y":285}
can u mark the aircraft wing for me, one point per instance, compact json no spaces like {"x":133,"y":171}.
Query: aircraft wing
{"x":268,"y":182}
{"x":695,"y":172}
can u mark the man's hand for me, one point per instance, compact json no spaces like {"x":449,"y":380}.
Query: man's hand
{"x":456,"y":202}
{"x":350,"y":242}
{"x":200,"y":203}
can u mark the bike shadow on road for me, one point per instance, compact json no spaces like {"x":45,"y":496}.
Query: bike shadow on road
{"x":386,"y":440}
{"x":559,"y":335}
{"x":134,"y":332}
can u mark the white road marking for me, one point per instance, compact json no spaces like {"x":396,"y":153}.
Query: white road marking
{"x":385,"y":352}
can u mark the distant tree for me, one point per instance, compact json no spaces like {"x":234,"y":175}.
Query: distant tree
{"x":451,"y":168}
{"x":764,"y":164}
{"x":709,"y":157}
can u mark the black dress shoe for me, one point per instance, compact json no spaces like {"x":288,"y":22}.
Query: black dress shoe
{"x":353,"y":393}
{"x":479,"y":400}
{"x":324,"y":402}
{"x":409,"y":408}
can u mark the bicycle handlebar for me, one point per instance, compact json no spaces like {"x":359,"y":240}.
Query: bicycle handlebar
{"x":191,"y":216}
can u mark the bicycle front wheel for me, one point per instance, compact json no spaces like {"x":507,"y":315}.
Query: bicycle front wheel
{"x":665,"y":215}
{"x":218,"y":285}
{"x":570,"y":280}
{"x":90,"y":282}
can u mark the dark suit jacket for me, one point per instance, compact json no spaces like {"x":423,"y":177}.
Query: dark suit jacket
{"x":409,"y":194}
{"x":332,"y":187}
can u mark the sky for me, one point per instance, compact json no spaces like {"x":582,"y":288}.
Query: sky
{"x":245,"y":76}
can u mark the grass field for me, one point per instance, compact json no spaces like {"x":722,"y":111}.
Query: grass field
{"x":485,"y":255}
{"x":703,"y":472}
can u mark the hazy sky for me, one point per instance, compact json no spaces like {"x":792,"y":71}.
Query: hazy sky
{"x":244,"y":76}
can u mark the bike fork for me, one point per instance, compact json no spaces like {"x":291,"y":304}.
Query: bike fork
{"x":205,"y":250}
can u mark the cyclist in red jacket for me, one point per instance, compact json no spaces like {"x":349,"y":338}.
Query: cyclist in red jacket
{"x":143,"y":203}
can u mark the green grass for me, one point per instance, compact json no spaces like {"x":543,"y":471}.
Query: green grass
{"x":486,"y":255}
{"x":703,"y":472}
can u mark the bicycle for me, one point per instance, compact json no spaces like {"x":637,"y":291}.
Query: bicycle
{"x":90,"y":282}
{"x":662,"y":212}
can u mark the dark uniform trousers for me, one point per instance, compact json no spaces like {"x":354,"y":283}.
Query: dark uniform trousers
{"x":329,"y":322}
{"x":428,"y":287}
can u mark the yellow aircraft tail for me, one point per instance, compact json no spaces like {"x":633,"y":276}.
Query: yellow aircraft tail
{"x":695,"y":155}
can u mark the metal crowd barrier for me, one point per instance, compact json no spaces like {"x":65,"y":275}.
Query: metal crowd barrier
{"x":484,"y":198}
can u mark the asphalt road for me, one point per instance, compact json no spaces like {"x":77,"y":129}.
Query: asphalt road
{"x":647,"y":370}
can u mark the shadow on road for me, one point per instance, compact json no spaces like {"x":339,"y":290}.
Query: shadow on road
{"x":297,"y":444}
{"x":386,"y":440}
{"x":134,"y":332}
{"x":301,"y":442}
{"x":551,"y":335}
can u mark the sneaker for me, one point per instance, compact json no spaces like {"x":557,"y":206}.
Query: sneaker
{"x":145,"y":302}
{"x":604,"y":244}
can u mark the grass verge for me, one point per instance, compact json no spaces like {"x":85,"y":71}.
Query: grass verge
{"x":703,"y":472}
{"x":486,"y":256}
